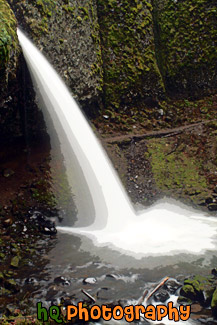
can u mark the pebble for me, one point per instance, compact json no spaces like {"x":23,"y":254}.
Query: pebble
{"x":62,"y":280}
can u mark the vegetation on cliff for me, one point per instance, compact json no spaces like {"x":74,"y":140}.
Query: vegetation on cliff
{"x":123,"y":55}
{"x":186,"y":37}
{"x":9,"y":48}
{"x":130,"y":69}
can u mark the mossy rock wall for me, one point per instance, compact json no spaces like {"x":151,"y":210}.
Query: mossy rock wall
{"x":9,"y":62}
{"x":9,"y":49}
{"x":68,"y":34}
{"x":186,"y":38}
{"x":128,"y":50}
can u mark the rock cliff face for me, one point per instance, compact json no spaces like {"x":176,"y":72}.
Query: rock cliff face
{"x":130,"y":68}
{"x":185,"y":35}
{"x":68,"y":34}
{"x":9,"y":61}
{"x":117,"y":55}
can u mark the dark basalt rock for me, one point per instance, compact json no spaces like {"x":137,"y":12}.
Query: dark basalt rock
{"x":212,"y":207}
{"x":31,"y":281}
{"x":68,"y":34}
{"x":214,"y":272}
{"x":162,"y":295}
{"x":172,"y":285}
{"x":45,"y":225}
{"x":62,"y":280}
{"x":12,"y":286}
{"x":200,"y":289}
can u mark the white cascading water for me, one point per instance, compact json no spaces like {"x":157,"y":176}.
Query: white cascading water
{"x":165,"y":228}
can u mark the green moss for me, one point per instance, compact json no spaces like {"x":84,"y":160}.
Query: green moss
{"x":188,"y":291}
{"x":97,"y":66}
{"x":175,"y":171}
{"x":84,"y":12}
{"x":46,"y":6}
{"x":183,"y":300}
{"x":197,"y":285}
{"x":186,"y":36}
{"x":40,"y":193}
{"x":128,"y":51}
{"x":214,"y":300}
{"x":8,"y":37}
{"x":68,"y":8}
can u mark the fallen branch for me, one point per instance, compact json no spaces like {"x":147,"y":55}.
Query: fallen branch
{"x":153,"y":134}
{"x":142,"y":298}
{"x":156,"y":288}
{"x":88,"y":295}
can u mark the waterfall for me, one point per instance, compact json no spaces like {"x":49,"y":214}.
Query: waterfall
{"x":165,"y":228}
{"x":108,"y":194}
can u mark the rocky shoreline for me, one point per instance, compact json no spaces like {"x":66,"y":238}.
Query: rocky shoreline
{"x":28,"y":206}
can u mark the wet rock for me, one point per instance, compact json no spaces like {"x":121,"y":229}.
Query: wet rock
{"x":184,"y":300}
{"x":199,"y":288}
{"x":11,"y":285}
{"x":162,"y":295}
{"x":4,"y":292}
{"x":190,"y":292}
{"x":56,"y":301}
{"x":172,"y":286}
{"x":209,"y":200}
{"x":1,"y":277}
{"x":212,"y":207}
{"x":89,"y":281}
{"x":214,"y":272}
{"x":31,"y":281}
{"x":62,"y":280}
{"x":15,"y":261}
{"x":45,"y":225}
{"x":2,"y":256}
{"x":11,"y":310}
{"x":214,"y":303}
{"x":8,"y":222}
{"x":9,"y":274}
{"x":113,"y":276}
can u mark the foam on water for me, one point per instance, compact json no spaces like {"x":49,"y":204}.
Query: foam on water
{"x":165,"y":228}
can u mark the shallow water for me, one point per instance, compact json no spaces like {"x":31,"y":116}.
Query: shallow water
{"x":117,"y":277}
